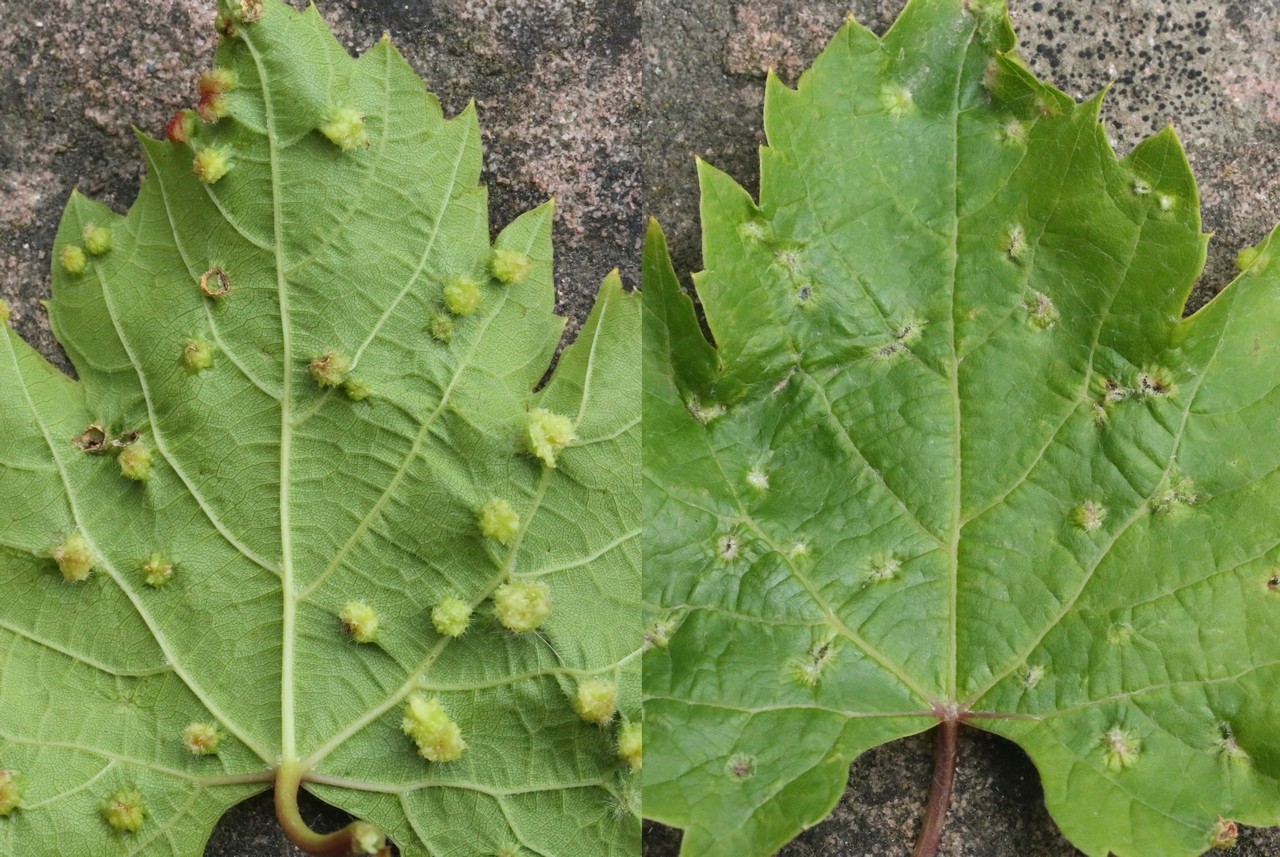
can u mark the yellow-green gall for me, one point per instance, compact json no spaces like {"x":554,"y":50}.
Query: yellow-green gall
{"x":356,"y":389}
{"x":201,"y":739}
{"x":331,"y":369}
{"x":212,"y":107}
{"x":510,"y":267}
{"x":218,"y":80}
{"x":499,"y":521}
{"x":360,"y":621}
{"x":1089,"y":516}
{"x":213,"y":87}
{"x":183,"y":127}
{"x":247,"y":11}
{"x":1122,"y":748}
{"x":462,"y":296}
{"x":74,"y":557}
{"x":547,"y":434}
{"x":72,"y":259}
{"x":197,"y":356}
{"x":4,"y":311}
{"x":631,"y":744}
{"x":344,"y":126}
{"x":451,"y":616}
{"x":10,"y":792}
{"x":124,"y":811}
{"x":367,"y":839}
{"x":1246,"y":257}
{"x":1226,"y":834}
{"x":97,"y":239}
{"x":596,"y":701}
{"x":157,"y":570}
{"x":441,"y":327}
{"x":211,"y":164}
{"x":135,"y":462}
{"x":1041,"y":311}
{"x":522,"y":606}
{"x":897,"y":100}
{"x":438,"y":738}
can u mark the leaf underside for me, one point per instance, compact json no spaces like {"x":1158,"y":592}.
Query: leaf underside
{"x":956,"y":455}
{"x":278,"y":502}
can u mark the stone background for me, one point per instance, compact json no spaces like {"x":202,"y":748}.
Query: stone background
{"x":1213,"y":68}
{"x":559,"y":90}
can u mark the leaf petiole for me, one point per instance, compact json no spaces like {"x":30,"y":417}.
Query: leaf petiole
{"x":357,"y":839}
{"x":944,"y":778}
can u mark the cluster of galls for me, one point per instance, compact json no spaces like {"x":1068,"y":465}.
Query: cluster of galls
{"x":232,"y":13}
{"x":95,"y":241}
{"x":439,"y":738}
{"x":342,"y":125}
{"x":76,"y":559}
{"x":124,"y":810}
{"x":333,"y":370}
{"x":462,"y":297}
{"x":521,"y":606}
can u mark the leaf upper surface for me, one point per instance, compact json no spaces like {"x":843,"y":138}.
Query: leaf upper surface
{"x":955,"y":454}
{"x":279,"y":502}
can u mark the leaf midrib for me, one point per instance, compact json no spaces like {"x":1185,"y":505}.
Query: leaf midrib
{"x":288,"y":725}
{"x":953,"y":571}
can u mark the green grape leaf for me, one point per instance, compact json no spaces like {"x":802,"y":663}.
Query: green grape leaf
{"x":310,"y":498}
{"x":956,"y":458}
